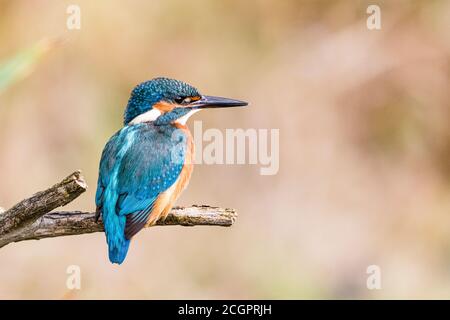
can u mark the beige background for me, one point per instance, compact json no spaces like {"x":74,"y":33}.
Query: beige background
{"x":364,"y":145}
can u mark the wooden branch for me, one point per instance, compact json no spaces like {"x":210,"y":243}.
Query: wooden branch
{"x":64,"y":223}
{"x":30,"y":219}
{"x":29,"y":210}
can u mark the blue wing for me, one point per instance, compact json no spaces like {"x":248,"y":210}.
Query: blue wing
{"x":137,"y":165}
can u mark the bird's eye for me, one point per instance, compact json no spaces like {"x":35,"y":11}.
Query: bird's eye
{"x":183,"y":101}
{"x":186,"y":100}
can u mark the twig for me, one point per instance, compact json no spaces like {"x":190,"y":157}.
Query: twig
{"x":29,"y":210}
{"x":30,"y":218}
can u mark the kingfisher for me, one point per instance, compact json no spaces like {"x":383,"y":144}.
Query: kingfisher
{"x":146,"y":165}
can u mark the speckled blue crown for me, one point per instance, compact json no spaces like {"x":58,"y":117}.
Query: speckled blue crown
{"x":146,"y":94}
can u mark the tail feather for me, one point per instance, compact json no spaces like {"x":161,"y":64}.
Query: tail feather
{"x":118,"y":244}
{"x":118,"y":251}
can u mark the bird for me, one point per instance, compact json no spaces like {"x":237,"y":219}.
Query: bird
{"x":146,"y":165}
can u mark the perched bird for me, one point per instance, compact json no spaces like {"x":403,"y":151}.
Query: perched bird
{"x":147,"y":164}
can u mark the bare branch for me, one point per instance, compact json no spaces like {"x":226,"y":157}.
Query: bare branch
{"x":29,"y":210}
{"x":31,"y":218}
{"x":58,"y":224}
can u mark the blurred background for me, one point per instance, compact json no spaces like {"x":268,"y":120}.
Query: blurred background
{"x":363,"y":115}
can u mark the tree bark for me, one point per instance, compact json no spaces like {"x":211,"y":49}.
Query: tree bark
{"x":31,"y":218}
{"x":29,"y":210}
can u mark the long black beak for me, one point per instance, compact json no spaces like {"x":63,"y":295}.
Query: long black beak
{"x":216,"y":102}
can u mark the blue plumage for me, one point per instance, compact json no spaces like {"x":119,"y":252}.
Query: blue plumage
{"x":138,"y":163}
{"x":143,"y":160}
{"x":146,"y":94}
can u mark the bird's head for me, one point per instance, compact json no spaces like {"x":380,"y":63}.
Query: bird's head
{"x":164,"y":101}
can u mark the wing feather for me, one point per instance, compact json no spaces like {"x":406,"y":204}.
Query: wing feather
{"x":150,"y":165}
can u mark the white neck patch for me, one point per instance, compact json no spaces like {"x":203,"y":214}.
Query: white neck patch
{"x":185,"y":118}
{"x":150,"y":115}
{"x":154,"y":113}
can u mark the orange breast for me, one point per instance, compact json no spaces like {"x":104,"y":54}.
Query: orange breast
{"x":166,"y":200}
{"x":186,"y":172}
